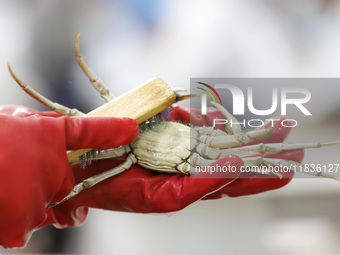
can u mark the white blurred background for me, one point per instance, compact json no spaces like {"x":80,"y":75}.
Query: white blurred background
{"x":128,"y":42}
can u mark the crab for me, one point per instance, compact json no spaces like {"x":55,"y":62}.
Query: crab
{"x":174,"y":147}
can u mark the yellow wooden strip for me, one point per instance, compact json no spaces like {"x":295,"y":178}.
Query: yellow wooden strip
{"x":140,"y":104}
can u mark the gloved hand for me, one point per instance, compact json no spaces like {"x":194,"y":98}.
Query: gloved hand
{"x":141,"y":190}
{"x":34,"y":169}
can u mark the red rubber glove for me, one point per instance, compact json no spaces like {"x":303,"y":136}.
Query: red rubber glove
{"x":141,"y":190}
{"x":34,"y":168}
{"x":248,"y":183}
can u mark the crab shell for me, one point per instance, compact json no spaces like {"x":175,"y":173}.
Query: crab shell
{"x":175,"y":147}
{"x":166,"y":147}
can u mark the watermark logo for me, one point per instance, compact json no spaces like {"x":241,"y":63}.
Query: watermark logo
{"x":239,"y":99}
{"x":255,"y":118}
{"x":204,"y":97}
{"x":247,"y":100}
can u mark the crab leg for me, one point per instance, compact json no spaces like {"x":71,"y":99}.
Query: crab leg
{"x":104,"y":92}
{"x":216,"y":153}
{"x":234,"y":137}
{"x":93,"y":180}
{"x":194,"y":160}
{"x":232,"y":126}
{"x":227,"y":141}
{"x":43,"y":100}
{"x":103,"y":154}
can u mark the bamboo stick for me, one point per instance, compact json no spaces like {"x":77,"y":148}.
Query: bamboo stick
{"x":140,"y":104}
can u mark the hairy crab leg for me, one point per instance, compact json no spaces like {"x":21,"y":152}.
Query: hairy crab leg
{"x":64,"y":110}
{"x":93,"y":180}
{"x":43,"y":100}
{"x":104,"y":92}
{"x":234,"y":136}
{"x":95,"y":81}
{"x":232,"y":126}
{"x":227,"y":141}
{"x":103,"y":154}
{"x":216,"y":153}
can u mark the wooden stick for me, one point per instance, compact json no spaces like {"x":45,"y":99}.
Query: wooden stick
{"x":140,"y":104}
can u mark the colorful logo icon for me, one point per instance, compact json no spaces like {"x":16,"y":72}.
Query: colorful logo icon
{"x":204,"y":97}
{"x":209,"y":93}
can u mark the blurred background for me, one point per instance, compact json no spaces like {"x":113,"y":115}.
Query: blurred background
{"x":128,"y":42}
